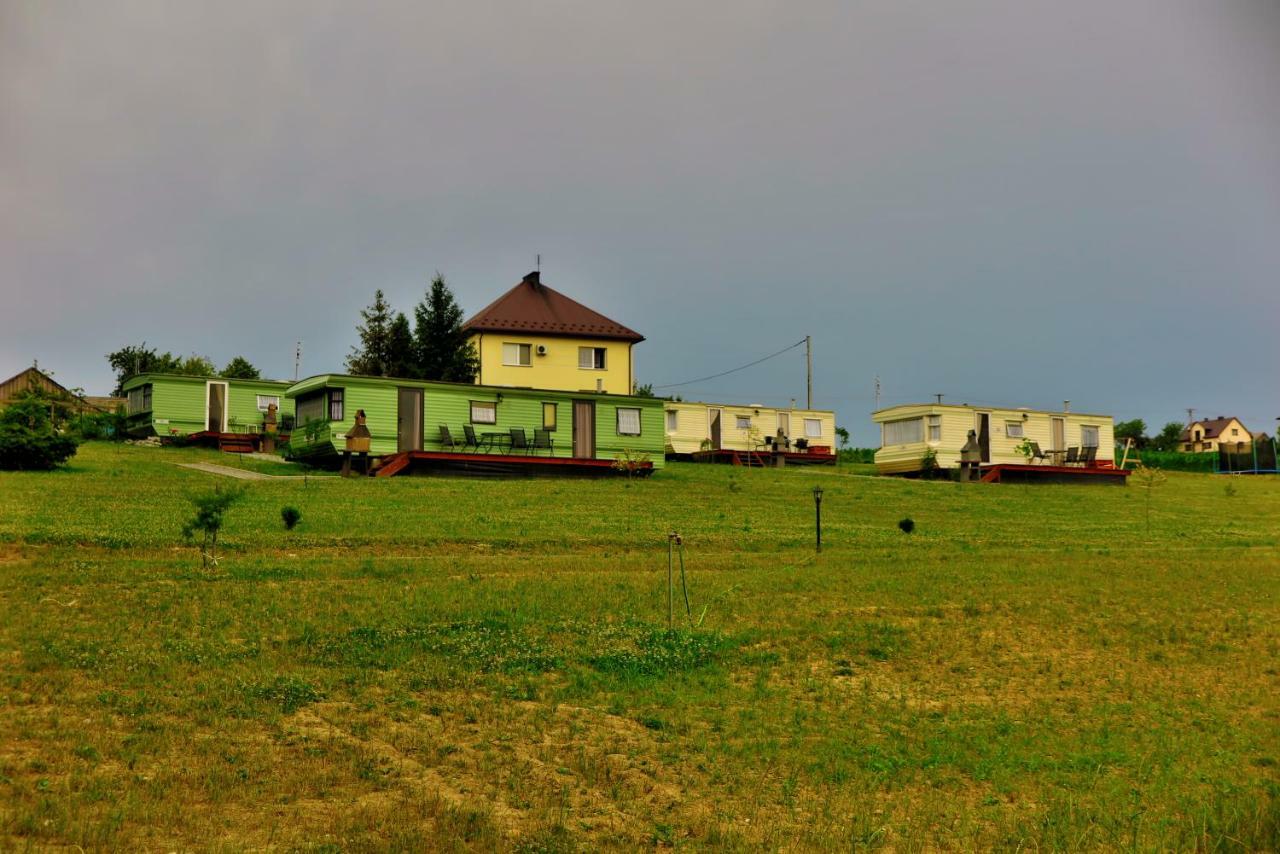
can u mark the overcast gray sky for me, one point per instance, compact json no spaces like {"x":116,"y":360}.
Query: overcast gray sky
{"x":1006,"y":202}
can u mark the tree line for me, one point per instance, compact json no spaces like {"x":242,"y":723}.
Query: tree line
{"x":1166,"y":440}
{"x":128,"y":362}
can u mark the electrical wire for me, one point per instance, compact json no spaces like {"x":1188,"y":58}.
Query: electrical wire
{"x":733,"y":370}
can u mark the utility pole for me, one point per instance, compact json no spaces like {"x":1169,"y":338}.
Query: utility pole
{"x":1191,"y":415}
{"x":808,"y":370}
{"x":877,"y":392}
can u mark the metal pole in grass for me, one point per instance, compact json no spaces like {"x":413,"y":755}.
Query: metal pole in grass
{"x":671,"y":537}
{"x":817,"y":511}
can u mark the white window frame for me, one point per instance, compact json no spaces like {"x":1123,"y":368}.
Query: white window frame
{"x":482,"y":405}
{"x":742,"y":422}
{"x":587,"y":358}
{"x":1097,"y":435}
{"x":629,"y":410}
{"x":673,"y":420}
{"x":1015,"y":430}
{"x":813,"y":428}
{"x":933,"y":428}
{"x":270,"y":399}
{"x":523,"y":354}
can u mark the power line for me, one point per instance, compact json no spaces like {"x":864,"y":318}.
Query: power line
{"x":799,"y":343}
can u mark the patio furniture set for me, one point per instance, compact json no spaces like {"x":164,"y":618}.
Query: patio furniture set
{"x":1085,"y":457}
{"x":513,"y":441}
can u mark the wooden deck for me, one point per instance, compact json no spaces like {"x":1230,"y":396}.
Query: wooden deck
{"x":499,"y":465}
{"x":1022,"y":473}
{"x":762,"y":458}
{"x":231,"y":443}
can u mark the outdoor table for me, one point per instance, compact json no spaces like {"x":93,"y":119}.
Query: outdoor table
{"x":491,"y":440}
{"x":1056,"y":455}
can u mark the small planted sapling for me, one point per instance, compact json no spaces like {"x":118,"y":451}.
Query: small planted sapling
{"x":211,"y":509}
{"x":290,"y":516}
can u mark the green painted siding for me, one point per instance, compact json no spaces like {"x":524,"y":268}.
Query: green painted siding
{"x":178,"y":403}
{"x":450,"y":405}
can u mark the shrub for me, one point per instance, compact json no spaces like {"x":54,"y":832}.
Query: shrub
{"x":290,"y":516}
{"x":211,"y":507}
{"x":100,"y":425}
{"x":28,"y":440}
{"x":907,"y":525}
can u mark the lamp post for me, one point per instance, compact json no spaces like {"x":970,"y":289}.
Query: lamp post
{"x":817,"y":513}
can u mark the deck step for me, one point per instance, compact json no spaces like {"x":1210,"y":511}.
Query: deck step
{"x":992,"y":476}
{"x":393,"y":465}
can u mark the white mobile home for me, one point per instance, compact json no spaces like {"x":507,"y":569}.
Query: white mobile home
{"x":912,"y":433}
{"x":695,"y":427}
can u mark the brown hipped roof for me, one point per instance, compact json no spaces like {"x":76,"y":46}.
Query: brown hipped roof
{"x":533,"y":308}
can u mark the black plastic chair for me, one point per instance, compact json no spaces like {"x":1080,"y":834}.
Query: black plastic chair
{"x":1088,"y":456}
{"x":1073,"y":456}
{"x":469,"y":438}
{"x":519,"y":442}
{"x":446,"y":439}
{"x":1036,"y":453}
{"x":542,"y":439}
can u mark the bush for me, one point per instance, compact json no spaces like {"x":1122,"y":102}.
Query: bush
{"x":907,"y":525}
{"x":1170,"y":460}
{"x":28,"y":440}
{"x":290,"y":516}
{"x":100,"y":425}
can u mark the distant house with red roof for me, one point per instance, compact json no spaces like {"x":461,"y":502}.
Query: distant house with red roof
{"x":536,"y":337}
{"x":1208,"y":435}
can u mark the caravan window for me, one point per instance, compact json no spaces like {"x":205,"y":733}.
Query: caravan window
{"x":484,"y":412}
{"x":813,"y":428}
{"x":265,"y":400}
{"x":1089,"y":436}
{"x":935,"y":428}
{"x":628,"y":421}
{"x":902,"y":432}
{"x":1013,"y":429}
{"x":744,"y":422}
{"x":335,"y":404}
{"x":672,"y":420}
{"x":548,"y":416}
{"x":309,"y":407}
{"x":140,"y":399}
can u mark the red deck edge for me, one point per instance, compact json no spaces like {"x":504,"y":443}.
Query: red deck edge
{"x":993,"y":473}
{"x":395,"y":463}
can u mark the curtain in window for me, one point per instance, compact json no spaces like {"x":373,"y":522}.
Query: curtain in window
{"x":335,"y":404}
{"x":903,"y":432}
{"x":935,"y":428}
{"x":813,"y":428}
{"x":1089,"y":437}
{"x":484,"y":413}
{"x":628,"y":422}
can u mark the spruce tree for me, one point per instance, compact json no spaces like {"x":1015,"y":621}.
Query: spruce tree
{"x":442,"y":351}
{"x":400,"y":351}
{"x":371,"y":357}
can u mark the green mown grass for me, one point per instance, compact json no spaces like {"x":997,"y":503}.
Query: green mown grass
{"x":452,"y":663}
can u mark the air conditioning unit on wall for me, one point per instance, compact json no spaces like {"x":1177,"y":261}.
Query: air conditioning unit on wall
{"x":541,"y":349}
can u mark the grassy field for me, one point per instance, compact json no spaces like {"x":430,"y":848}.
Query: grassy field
{"x":430,"y":663}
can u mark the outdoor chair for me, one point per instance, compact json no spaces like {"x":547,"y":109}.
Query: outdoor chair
{"x":519,"y":442}
{"x":469,"y":438}
{"x":1036,"y":453}
{"x":542,"y":439}
{"x":446,"y":439}
{"x":1073,"y":456}
{"x":1088,"y":456}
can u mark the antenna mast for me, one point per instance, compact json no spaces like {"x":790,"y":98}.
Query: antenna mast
{"x":877,"y":391}
{"x":808,"y":371}
{"x":297,"y":360}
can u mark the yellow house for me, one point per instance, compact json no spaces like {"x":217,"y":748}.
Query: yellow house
{"x":693,"y":427}
{"x":1209,"y":434}
{"x":908,"y":433}
{"x":536,"y":337}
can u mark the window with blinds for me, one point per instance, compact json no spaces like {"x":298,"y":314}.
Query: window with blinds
{"x":628,"y":421}
{"x":310,"y":407}
{"x":517,"y":355}
{"x":1089,"y":436}
{"x":591,"y":358}
{"x":903,"y":432}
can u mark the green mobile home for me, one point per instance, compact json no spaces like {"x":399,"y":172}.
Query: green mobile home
{"x":406,"y":416}
{"x":170,"y":405}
